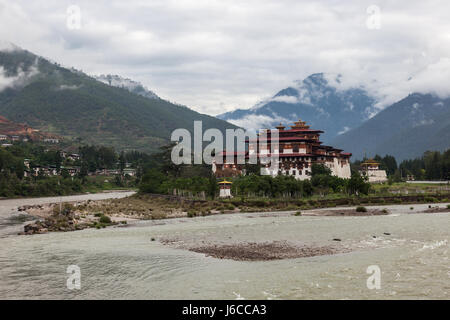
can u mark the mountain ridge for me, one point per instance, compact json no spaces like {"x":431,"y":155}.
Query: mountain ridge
{"x":69,"y":103}
{"x":406,"y":129}
{"x":315,"y":100}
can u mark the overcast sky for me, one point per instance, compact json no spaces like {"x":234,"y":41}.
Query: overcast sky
{"x":215,"y":56}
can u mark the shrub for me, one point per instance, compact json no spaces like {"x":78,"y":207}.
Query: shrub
{"x":230,"y":206}
{"x":105,"y":219}
{"x":298,"y":213}
{"x":384,"y":211}
{"x":191,"y":213}
{"x":411,"y":208}
{"x":361,"y":209}
{"x":448,"y":206}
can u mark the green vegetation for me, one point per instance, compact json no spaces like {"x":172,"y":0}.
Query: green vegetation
{"x":361,"y":209}
{"x":104,"y":219}
{"x":433,"y":165}
{"x":162,"y":177}
{"x":17,"y":179}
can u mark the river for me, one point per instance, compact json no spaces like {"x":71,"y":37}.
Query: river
{"x":411,"y":250}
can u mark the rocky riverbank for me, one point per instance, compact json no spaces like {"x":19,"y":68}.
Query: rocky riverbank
{"x":77,"y":215}
{"x":345,"y":212}
{"x":63,"y":218}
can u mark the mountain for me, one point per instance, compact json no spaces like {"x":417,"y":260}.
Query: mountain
{"x":71,"y":104}
{"x":130,"y":85}
{"x":406,"y":129}
{"x":320,"y":100}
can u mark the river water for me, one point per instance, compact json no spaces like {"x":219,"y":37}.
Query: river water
{"x":124,"y":262}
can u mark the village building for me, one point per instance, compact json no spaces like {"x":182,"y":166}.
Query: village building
{"x":26,"y":163}
{"x":129,"y":171}
{"x":370,"y":169}
{"x":74,"y":156}
{"x":73,"y":171}
{"x":298,"y":149}
{"x":3,"y":137}
{"x":51,"y":140}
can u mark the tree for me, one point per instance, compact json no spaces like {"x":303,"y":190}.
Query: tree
{"x":152,"y":182}
{"x":122,"y":162}
{"x":65,"y":173}
{"x":357,"y":184}
{"x":213,"y":187}
{"x":320,"y":169}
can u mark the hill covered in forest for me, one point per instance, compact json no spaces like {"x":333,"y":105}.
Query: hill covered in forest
{"x":71,"y":104}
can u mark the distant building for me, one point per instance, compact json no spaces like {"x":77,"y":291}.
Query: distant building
{"x":15,"y":138}
{"x":3,"y":137}
{"x":298,"y":149}
{"x":51,"y":140}
{"x":74,"y":156}
{"x":26,"y":163}
{"x":73,"y":171}
{"x":129,"y":171}
{"x":370,"y":168}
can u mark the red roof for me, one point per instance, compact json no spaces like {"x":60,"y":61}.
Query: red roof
{"x":284,"y":139}
{"x":303,"y":130}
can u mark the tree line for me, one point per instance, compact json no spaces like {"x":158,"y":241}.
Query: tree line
{"x":432,"y":165}
{"x":162,"y":176}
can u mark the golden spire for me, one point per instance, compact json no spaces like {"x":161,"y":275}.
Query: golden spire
{"x":300,"y":125}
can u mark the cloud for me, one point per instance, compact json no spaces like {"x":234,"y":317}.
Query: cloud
{"x":285,"y":99}
{"x":256,"y":122}
{"x":344,"y":130}
{"x":20,"y":78}
{"x":216,"y":56}
{"x":68,"y":87}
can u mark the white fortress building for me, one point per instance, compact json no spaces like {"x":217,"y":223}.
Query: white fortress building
{"x":298,"y":149}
